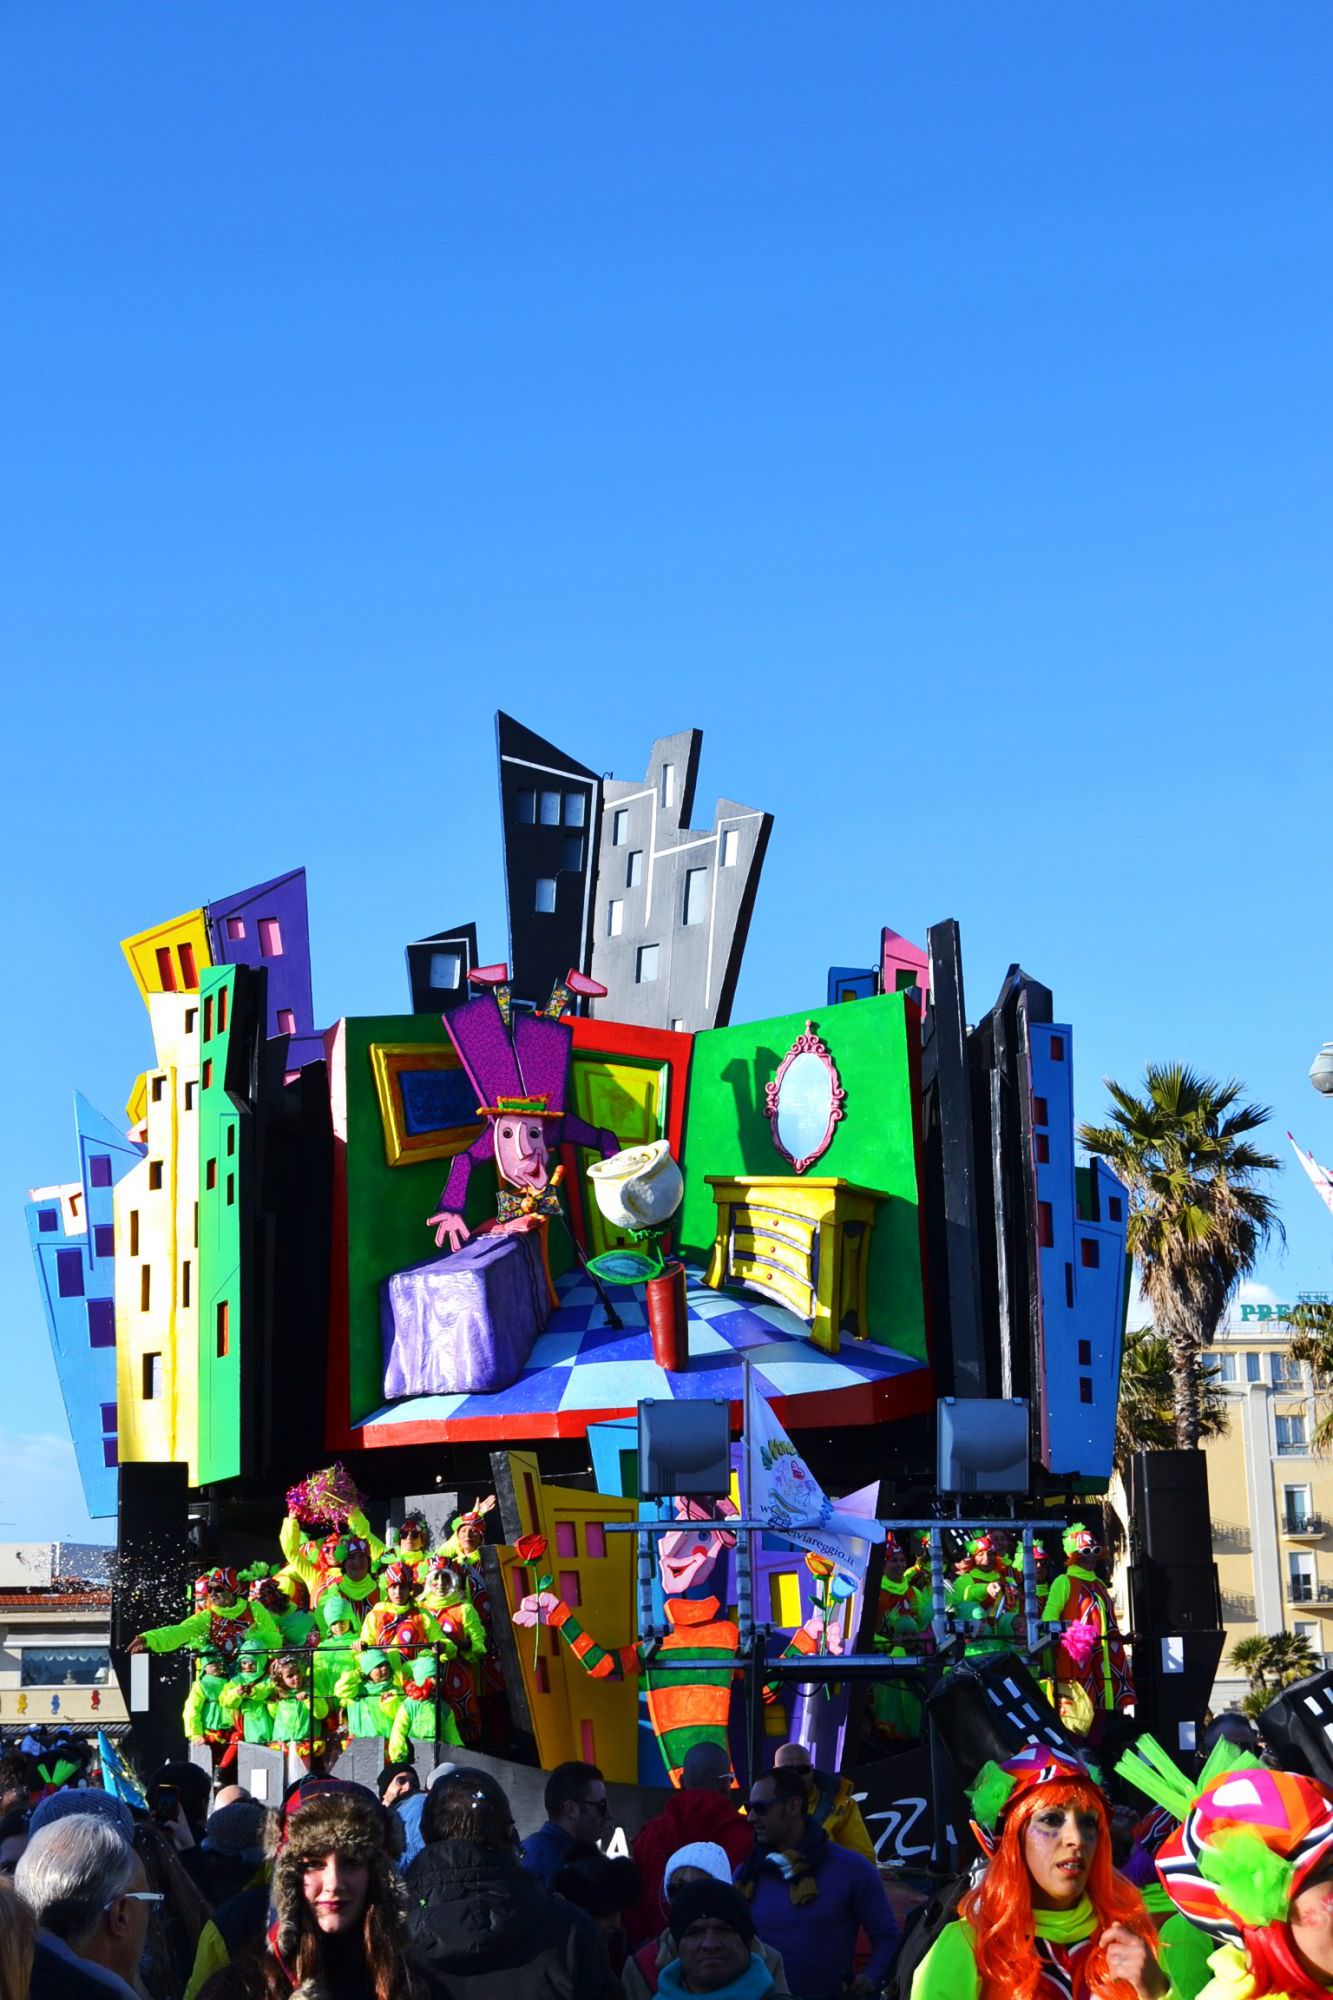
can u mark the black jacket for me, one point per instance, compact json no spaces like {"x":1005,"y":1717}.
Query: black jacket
{"x":54,"y":1978}
{"x":485,"y":1929}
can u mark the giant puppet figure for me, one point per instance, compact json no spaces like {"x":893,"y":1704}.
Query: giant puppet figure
{"x":687,"y":1707}
{"x":518,"y":1064}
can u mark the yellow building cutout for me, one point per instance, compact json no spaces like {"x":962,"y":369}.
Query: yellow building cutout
{"x":169,"y":957}
{"x":156,"y":1212}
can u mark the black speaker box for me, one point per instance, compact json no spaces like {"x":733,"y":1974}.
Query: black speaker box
{"x":1297,"y":1726}
{"x":987,"y":1709}
{"x":1168,"y":1495}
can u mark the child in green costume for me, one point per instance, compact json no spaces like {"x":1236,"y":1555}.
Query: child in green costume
{"x":249,"y":1697}
{"x":420,"y":1719}
{"x":292,"y":1722}
{"x":370,"y":1694}
{"x":336,"y":1651}
{"x":205,"y":1719}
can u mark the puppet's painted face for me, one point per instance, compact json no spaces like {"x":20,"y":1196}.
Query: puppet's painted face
{"x":521,"y":1152}
{"x":687,"y":1555}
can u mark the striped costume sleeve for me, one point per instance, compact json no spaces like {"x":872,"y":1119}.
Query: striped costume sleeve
{"x":594,"y":1659}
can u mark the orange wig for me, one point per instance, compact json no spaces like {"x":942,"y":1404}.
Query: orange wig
{"x":999,"y":1909}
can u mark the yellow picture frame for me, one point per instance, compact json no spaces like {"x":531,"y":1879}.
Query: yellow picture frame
{"x":388,"y":1062}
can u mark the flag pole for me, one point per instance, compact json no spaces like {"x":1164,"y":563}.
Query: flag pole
{"x":750,"y":1644}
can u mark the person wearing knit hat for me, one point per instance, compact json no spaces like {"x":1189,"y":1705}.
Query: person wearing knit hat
{"x":338,"y":1924}
{"x":1251,"y":1862}
{"x":713,"y":1931}
{"x":702,"y":1812}
{"x":84,"y":1799}
{"x":697,"y":1861}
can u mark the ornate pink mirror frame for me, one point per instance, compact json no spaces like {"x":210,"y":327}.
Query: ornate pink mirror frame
{"x":806,"y":1046}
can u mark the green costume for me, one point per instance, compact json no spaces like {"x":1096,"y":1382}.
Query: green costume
{"x":459,"y":1620}
{"x":203,"y":1713}
{"x":371,"y":1707}
{"x":216,"y":1623}
{"x":250,"y":1694}
{"x":949,"y":1969}
{"x":303,"y":1556}
{"x":418,"y":1720}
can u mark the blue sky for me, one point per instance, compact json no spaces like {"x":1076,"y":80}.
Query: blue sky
{"x":930,"y":404}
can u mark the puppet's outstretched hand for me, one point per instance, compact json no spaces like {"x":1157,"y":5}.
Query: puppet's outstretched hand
{"x":448,"y":1223}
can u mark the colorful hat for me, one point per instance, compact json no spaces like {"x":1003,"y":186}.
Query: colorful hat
{"x":1079,"y":1540}
{"x":1248,"y":1837}
{"x":333,"y":1610}
{"x":536,"y":1106}
{"x":982,"y":1545}
{"x":998,"y":1786}
{"x":398,"y":1572}
{"x":217,"y":1579}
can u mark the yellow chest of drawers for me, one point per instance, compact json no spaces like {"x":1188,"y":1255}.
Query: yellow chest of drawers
{"x":803,"y":1243}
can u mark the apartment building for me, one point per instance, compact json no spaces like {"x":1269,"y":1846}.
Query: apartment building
{"x":1271,"y":1496}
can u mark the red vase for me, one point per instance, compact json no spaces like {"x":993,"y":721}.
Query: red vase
{"x":668,"y":1318}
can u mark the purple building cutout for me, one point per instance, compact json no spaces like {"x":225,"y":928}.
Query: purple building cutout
{"x":268,"y":927}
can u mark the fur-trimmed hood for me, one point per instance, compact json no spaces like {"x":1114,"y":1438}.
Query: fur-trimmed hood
{"x":332,"y":1824}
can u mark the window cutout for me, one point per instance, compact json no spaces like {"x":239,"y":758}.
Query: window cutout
{"x":155,"y":1176}
{"x":48,"y":1219}
{"x":1057,"y":1048}
{"x":572,"y":861}
{"x":156,"y":1088}
{"x":166,"y":971}
{"x":152,"y":1377}
{"x":69,"y":1274}
{"x":634,"y":868}
{"x":134,"y":1232}
{"x":191,"y":1092}
{"x":678,"y":1028}
{"x":191,"y":1019}
{"x":1043,"y":1150}
{"x":99,"y":1170}
{"x":667,"y":791}
{"x":1114,"y":1207}
{"x":1089,"y":1251}
{"x":110,"y":1452}
{"x":270,"y":937}
{"x":185,"y":1282}
{"x":731,"y":847}
{"x":145,"y":1287}
{"x":594,"y":1536}
{"x":208,"y":1017}
{"x":222,"y":1009}
{"x":290,"y":1075}
{"x":566,"y":1538}
{"x":108,"y":1416}
{"x":525,"y":804}
{"x":696,"y":896}
{"x":1045,"y":1226}
{"x":543,"y":900}
{"x":619,"y":828}
{"x":446,"y":975}
{"x":189,"y":973}
{"x":550,"y":809}
{"x":210,"y":1173}
{"x":101,"y":1323}
{"x":1085,"y":1388}
{"x":222,"y":1328}
{"x":1039,"y":1113}
{"x":104,"y":1240}
{"x":231,"y":1140}
{"x":235,"y":928}
{"x":1085,"y":1354}
{"x":1069,"y":1287}
{"x":576,"y":807}
{"x":196,"y":1225}
{"x":206,"y":1074}
{"x":615,"y":917}
{"x":567,"y":1586}
{"x":231,"y":1190}
{"x":645,"y":970}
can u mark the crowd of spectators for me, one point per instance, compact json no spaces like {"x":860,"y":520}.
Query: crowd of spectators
{"x":429,"y":1892}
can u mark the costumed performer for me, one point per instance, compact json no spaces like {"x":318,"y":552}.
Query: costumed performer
{"x":204,"y":1717}
{"x":221,"y":1622}
{"x":398,"y":1622}
{"x":370,"y":1694}
{"x":315,"y":1739}
{"x":1251,"y":1862}
{"x":1050,"y":1919}
{"x":1090,"y":1650}
{"x":249,"y":1697}
{"x":420,"y":1719}
{"x":287,"y":1601}
{"x":347,"y":1569}
{"x":467,"y":1534}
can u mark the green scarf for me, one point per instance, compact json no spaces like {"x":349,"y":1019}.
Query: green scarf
{"x":1066,"y":1926}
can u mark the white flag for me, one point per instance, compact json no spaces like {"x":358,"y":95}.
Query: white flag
{"x":789,"y":1500}
{"x":1321,"y":1177}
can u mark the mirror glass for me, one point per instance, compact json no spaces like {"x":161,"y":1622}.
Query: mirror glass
{"x":805,"y":1106}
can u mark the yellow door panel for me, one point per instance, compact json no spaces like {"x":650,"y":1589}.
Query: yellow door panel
{"x":629,"y":1099}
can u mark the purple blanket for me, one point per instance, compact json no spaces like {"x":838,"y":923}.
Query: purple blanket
{"x":464,"y":1323}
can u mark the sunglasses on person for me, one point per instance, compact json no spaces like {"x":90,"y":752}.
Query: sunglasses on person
{"x":136,"y":1896}
{"x":760,"y":1805}
{"x":602,"y":1806}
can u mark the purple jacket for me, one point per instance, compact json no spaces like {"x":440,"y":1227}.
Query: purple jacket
{"x":817,"y":1940}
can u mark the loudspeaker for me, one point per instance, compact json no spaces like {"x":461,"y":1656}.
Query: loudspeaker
{"x":1174,"y":1582}
{"x":153,"y":1575}
{"x":1173,"y":1682}
{"x":1297,"y":1726}
{"x":987,"y":1709}
{"x":684,"y":1448}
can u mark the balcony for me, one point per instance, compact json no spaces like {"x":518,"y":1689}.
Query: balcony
{"x":1303,"y":1589}
{"x":1307,"y":1524}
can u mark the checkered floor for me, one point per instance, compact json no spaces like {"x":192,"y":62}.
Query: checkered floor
{"x":616,"y":1368}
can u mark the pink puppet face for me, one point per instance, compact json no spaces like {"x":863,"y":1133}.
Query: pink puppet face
{"x":687,"y":1555}
{"x":521,"y":1152}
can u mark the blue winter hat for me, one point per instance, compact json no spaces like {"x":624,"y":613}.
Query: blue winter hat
{"x":86,"y":1799}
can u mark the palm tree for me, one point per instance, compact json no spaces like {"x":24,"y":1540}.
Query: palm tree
{"x":1197,"y":1220}
{"x":1311,"y":1324}
{"x":1145,"y":1414}
{"x":1270,"y":1662}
